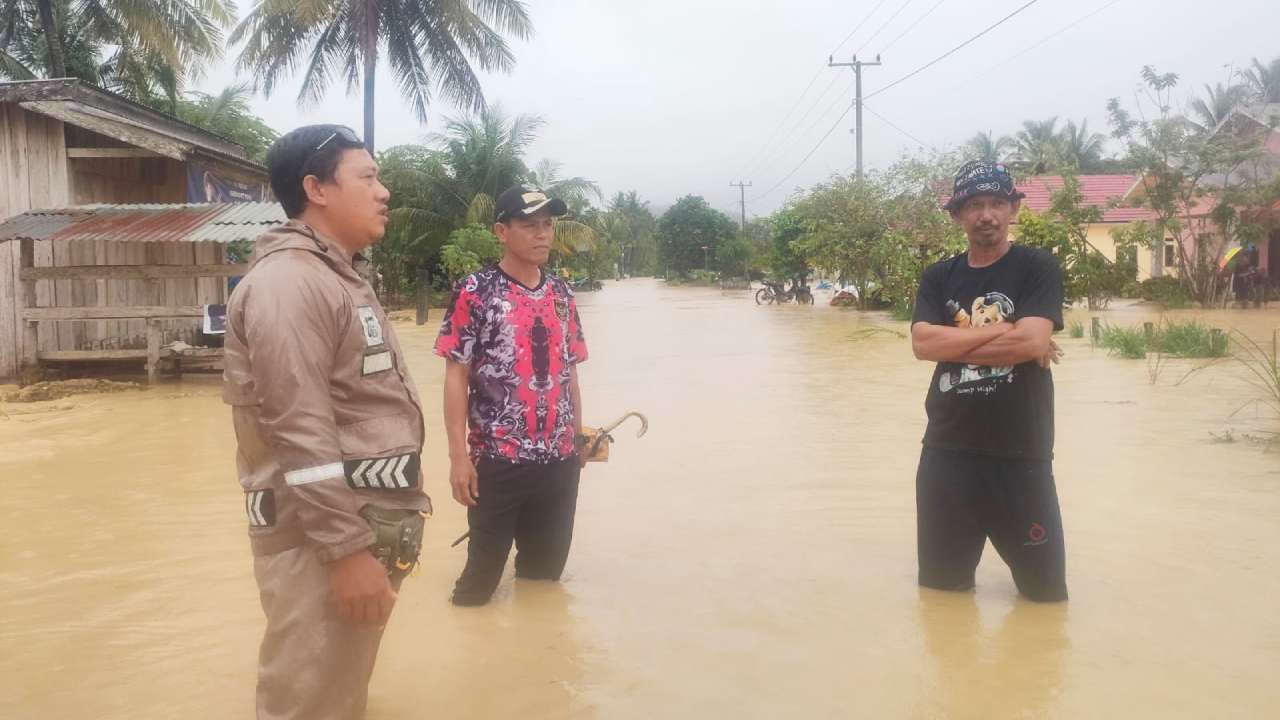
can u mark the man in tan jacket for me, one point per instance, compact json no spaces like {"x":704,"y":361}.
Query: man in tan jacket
{"x":329,"y":429}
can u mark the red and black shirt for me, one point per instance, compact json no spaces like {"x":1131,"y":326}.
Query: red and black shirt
{"x":520,"y":344}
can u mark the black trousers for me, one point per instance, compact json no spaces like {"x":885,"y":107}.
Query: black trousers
{"x":532,"y":505}
{"x":962,"y":499}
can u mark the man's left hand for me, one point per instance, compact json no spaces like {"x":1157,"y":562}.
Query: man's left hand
{"x":1053,"y":357}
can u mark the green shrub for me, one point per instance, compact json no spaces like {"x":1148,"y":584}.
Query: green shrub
{"x":1166,"y":290}
{"x":902,"y":312}
{"x":468,"y":249}
{"x":1075,"y":329}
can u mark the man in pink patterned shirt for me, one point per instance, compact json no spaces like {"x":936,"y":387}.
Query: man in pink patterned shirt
{"x":511,"y":341}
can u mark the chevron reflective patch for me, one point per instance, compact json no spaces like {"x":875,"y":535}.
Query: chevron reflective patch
{"x":390,"y":473}
{"x":260,"y":505}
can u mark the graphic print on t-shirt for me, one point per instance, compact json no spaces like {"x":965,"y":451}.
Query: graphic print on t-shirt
{"x":989,"y":309}
{"x":520,"y":344}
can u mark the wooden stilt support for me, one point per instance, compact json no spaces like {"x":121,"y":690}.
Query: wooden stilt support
{"x":153,"y":350}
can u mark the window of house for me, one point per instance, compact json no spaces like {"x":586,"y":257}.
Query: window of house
{"x":1170,"y":254}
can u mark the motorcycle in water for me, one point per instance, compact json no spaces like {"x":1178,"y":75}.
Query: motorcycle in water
{"x":776,"y":293}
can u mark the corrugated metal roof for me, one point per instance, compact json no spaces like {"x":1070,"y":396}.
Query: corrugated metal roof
{"x":218,"y":222}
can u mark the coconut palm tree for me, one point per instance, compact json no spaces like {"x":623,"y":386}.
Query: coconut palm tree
{"x":484,"y":152}
{"x":1037,"y":145}
{"x":430,"y":46}
{"x":1217,"y":104}
{"x":229,"y":115}
{"x":24,"y":50}
{"x":1080,"y":149}
{"x":985,"y":146}
{"x":1263,"y":81}
{"x":577,"y":192}
{"x":156,"y":46}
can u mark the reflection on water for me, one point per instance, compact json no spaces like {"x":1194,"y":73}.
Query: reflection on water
{"x":752,"y":557}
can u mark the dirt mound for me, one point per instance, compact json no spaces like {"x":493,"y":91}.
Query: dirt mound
{"x":57,"y":389}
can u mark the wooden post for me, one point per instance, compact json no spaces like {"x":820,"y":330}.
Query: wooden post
{"x":153,"y":350}
{"x":1217,"y":339}
{"x":1149,"y":330}
{"x":1095,"y":329}
{"x":424,"y":294}
{"x":26,"y":299}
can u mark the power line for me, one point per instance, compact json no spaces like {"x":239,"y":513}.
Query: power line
{"x":794,"y":170}
{"x":798,"y":138}
{"x":890,"y":123}
{"x":893,"y":84}
{"x":763,"y":148}
{"x":876,"y":34}
{"x":858,"y":27}
{"x":759,"y":156}
{"x":911,"y":27}
{"x":1051,"y":36}
{"x":765,"y":157}
{"x":952,"y":51}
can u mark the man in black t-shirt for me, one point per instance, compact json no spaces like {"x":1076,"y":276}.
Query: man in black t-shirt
{"x":986,"y":317}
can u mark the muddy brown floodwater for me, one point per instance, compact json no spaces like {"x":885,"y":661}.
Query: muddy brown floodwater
{"x":753,"y":557}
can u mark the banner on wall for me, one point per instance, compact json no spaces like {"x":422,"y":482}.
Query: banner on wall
{"x":207,"y":186}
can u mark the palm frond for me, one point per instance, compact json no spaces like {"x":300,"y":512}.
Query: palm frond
{"x":481,"y":211}
{"x":508,"y":16}
{"x":13,"y":69}
{"x":324,"y":52}
{"x":574,"y":237}
{"x":411,"y":72}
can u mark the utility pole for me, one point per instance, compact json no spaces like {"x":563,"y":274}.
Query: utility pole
{"x":857,"y":66}
{"x":742,"y":192}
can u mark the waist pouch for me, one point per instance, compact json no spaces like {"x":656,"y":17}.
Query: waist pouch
{"x":397,"y":538}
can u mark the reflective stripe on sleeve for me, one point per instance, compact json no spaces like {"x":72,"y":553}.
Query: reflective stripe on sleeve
{"x":318,"y":473}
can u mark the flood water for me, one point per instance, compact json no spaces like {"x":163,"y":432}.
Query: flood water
{"x":752,"y":557}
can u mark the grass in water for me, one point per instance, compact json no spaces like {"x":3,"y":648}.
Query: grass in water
{"x":1263,"y":366}
{"x":1186,"y":339}
{"x":1075,"y":330}
{"x":1189,"y":339}
{"x":1128,"y":343}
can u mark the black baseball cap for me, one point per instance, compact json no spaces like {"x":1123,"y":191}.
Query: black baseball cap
{"x":979,"y":177}
{"x":520,"y":200}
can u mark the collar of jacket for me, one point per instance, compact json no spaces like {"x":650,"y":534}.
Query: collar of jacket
{"x":297,"y":235}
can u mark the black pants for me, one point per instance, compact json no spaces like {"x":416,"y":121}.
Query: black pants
{"x":534,"y":505}
{"x":962,"y":499}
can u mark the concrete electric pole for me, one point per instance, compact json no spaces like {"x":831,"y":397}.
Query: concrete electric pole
{"x":857,"y":66}
{"x":742,"y":192}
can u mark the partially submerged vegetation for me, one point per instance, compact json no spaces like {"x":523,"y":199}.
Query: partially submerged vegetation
{"x":1184,"y":339}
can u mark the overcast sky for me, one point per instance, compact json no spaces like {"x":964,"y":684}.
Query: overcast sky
{"x":673,"y":97}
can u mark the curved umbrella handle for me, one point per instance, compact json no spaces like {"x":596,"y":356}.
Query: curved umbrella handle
{"x":644,"y":424}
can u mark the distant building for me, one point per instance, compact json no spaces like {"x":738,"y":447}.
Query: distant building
{"x":1100,"y":191}
{"x":64,"y":144}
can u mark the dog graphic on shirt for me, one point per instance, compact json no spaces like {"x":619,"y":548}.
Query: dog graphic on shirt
{"x":989,"y":309}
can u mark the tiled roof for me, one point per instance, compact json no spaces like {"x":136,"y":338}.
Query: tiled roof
{"x":1095,"y":190}
{"x":218,"y":222}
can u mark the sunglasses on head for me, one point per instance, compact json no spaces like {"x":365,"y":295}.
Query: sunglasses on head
{"x":344,"y":134}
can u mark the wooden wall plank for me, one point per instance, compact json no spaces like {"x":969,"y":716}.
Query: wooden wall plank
{"x":10,"y":332}
{"x":9,"y":335}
